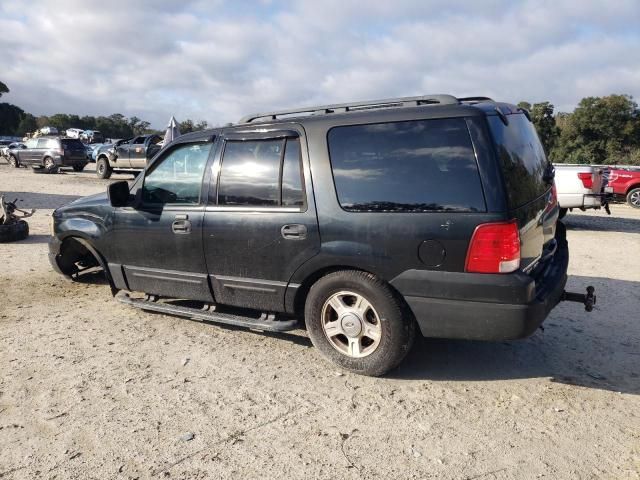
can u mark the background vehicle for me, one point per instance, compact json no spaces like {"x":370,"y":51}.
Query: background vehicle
{"x":369,"y":220}
{"x":624,"y":184}
{"x":126,"y":155}
{"x":92,"y":136}
{"x":74,"y":132}
{"x":579,"y":186}
{"x":50,"y":153}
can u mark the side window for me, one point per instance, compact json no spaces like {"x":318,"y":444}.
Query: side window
{"x":43,"y":143}
{"x":177,"y":178}
{"x":292,"y":193}
{"x":138,"y":141}
{"x":32,"y":143}
{"x":261,"y":173}
{"x":413,"y":166}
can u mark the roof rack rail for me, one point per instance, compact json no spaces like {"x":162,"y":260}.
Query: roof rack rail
{"x":476,"y":99}
{"x":357,"y":106}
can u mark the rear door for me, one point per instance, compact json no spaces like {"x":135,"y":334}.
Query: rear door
{"x":260,"y":224}
{"x":122,"y":151}
{"x":74,"y":150}
{"x":137,"y":152}
{"x":528,"y":181}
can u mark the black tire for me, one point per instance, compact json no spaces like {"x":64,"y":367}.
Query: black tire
{"x":49,"y":165}
{"x":633,"y":197}
{"x":396,"y":324}
{"x":13,"y":161}
{"x":103,"y":169}
{"x":14,"y":232}
{"x":78,"y":167}
{"x":563,"y":212}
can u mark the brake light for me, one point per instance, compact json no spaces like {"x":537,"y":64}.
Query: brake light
{"x":494,"y":248}
{"x":554,"y":194}
{"x":587,"y":179}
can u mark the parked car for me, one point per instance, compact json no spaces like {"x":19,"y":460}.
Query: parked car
{"x":50,"y":153}
{"x":368,"y":220}
{"x":92,"y":136}
{"x":580,"y":186}
{"x":5,"y":149}
{"x":130,"y":155}
{"x":624,"y":184}
{"x":74,"y":132}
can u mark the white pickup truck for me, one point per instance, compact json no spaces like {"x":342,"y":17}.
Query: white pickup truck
{"x":580,"y":186}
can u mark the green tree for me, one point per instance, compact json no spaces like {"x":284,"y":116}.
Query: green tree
{"x":601,"y":130}
{"x":545,"y":123}
{"x":10,"y":117}
{"x":27,"y":124}
{"x":3,"y":88}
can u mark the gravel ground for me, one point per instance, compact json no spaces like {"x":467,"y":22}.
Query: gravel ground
{"x":91,"y":388}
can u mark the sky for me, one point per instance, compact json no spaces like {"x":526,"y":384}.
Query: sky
{"x":219,"y":60}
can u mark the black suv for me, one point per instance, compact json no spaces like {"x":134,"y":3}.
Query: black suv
{"x":50,"y":153}
{"x":367,"y":220}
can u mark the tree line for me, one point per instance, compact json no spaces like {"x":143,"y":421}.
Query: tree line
{"x":600,"y":131}
{"x":15,"y":121}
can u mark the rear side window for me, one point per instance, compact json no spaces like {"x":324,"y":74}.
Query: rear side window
{"x":415,"y":166}
{"x":72,"y":144}
{"x":263,"y":173}
{"x":522,"y":158}
{"x":46,"y":143}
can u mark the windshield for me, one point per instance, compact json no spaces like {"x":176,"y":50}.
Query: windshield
{"x":522,"y":158}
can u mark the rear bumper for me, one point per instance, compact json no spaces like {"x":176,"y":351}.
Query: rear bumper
{"x":582,"y":200}
{"x":485,"y":307}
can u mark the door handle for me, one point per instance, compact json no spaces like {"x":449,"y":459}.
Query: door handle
{"x":294,"y":231}
{"x":181,"y":225}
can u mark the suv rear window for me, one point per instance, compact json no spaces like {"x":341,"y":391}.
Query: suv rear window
{"x":413,"y":166}
{"x":72,"y":144}
{"x":522,"y":158}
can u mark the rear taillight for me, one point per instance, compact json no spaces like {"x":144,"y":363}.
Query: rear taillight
{"x":554,"y":194}
{"x":494,"y":248}
{"x":587,"y":179}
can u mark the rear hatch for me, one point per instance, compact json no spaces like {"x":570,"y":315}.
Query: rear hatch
{"x":528,"y":180}
{"x":74,"y":149}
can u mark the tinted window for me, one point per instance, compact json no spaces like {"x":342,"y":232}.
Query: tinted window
{"x":32,"y":142}
{"x":177,"y":178}
{"x":46,"y":143}
{"x":292,"y":194}
{"x":72,"y":144}
{"x":416,"y":166}
{"x":250,"y":173}
{"x":522,"y":158}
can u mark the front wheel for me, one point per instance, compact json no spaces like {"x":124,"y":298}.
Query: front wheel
{"x":633,"y":197}
{"x":103,"y":169}
{"x":13,"y":161}
{"x":356,"y":321}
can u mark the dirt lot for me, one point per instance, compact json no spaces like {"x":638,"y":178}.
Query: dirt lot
{"x":90,"y":388}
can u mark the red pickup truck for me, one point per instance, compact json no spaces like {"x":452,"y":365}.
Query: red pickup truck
{"x":624,"y":183}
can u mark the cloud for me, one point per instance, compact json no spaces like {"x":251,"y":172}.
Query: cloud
{"x":218,"y":60}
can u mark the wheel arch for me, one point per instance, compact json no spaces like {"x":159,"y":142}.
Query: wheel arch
{"x":73,"y":245}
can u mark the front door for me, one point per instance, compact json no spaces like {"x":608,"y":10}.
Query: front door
{"x":158,"y":244}
{"x":260,"y":224}
{"x":27,"y":156}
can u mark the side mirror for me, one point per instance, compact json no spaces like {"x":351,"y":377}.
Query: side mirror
{"x":118,"y":194}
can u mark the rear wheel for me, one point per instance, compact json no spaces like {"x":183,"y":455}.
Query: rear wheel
{"x":13,"y":161}
{"x":78,"y":167}
{"x":103,"y":169}
{"x":49,"y":165}
{"x":356,"y":321}
{"x":633,"y":197}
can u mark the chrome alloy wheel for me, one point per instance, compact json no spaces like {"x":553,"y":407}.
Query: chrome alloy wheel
{"x":49,"y":163}
{"x":351,"y":324}
{"x":634,"y":198}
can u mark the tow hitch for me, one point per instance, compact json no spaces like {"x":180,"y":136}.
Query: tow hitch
{"x":587,"y":299}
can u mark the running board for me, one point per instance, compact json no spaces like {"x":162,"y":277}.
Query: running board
{"x":266,"y":322}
